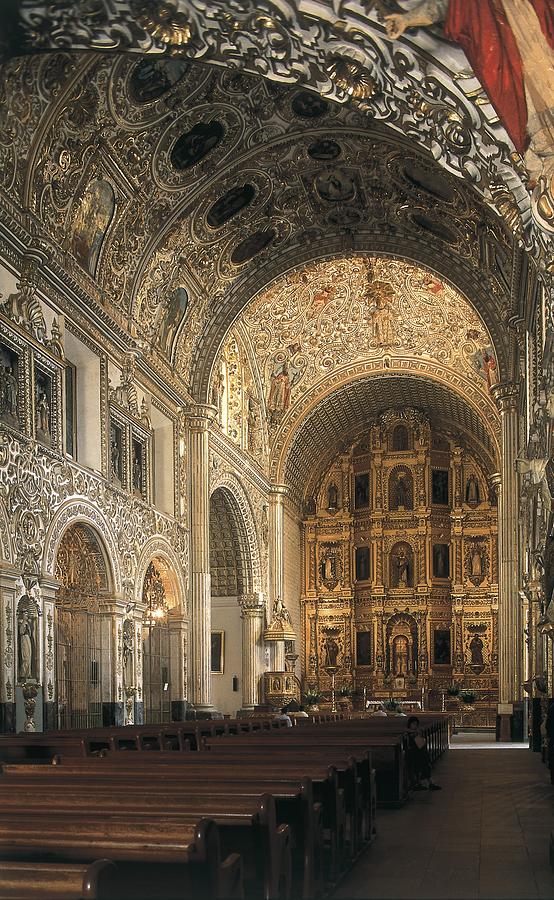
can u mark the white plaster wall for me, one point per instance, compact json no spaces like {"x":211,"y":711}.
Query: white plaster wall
{"x":226,"y":617}
{"x":293,"y":574}
{"x":162,"y":462}
{"x":89,"y":450}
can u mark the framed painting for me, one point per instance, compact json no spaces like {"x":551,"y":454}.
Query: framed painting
{"x":217,"y":652}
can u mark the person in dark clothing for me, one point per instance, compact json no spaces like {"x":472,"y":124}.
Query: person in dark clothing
{"x":419,"y":764}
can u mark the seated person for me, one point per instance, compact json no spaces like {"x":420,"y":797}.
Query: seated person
{"x":379,"y":710}
{"x":301,"y":713}
{"x":417,"y":757}
{"x":284,"y":717}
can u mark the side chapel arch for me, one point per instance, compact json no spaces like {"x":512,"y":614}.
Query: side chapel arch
{"x":72,"y":513}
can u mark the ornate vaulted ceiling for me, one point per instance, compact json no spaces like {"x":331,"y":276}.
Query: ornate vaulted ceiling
{"x":346,"y":414}
{"x":221,"y":182}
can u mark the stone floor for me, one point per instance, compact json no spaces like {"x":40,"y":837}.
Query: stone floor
{"x":485,"y":835}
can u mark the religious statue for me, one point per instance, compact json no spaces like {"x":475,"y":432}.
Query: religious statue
{"x":476,"y":650}
{"x":218,"y":389}
{"x":383,"y":318}
{"x":43,"y":413}
{"x":253,"y":421}
{"x":472,"y":489}
{"x":476,"y":563}
{"x":400,"y":653}
{"x":332,"y":497}
{"x":8,"y":395}
{"x":440,"y":561}
{"x":509,"y":46}
{"x":128,"y":649}
{"x":331,"y":651}
{"x":402,"y":569}
{"x":401,"y":493}
{"x":26,"y":645}
{"x":279,"y":392}
{"x":114,"y":458}
{"x":280,"y":613}
{"x":137,"y":474}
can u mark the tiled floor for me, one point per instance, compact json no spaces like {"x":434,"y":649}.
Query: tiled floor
{"x":485,"y":835}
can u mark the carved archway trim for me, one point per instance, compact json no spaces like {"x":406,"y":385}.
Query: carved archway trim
{"x":481,"y":405}
{"x":75,"y":512}
{"x":6,"y":546}
{"x":158,"y":546}
{"x":246,"y":522}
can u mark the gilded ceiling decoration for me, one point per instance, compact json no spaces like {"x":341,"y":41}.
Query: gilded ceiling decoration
{"x":332,"y":314}
{"x":346,"y":414}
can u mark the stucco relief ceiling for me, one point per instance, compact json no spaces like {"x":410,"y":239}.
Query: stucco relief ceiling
{"x":336,"y":313}
{"x":174,"y":196}
{"x":347,"y":413}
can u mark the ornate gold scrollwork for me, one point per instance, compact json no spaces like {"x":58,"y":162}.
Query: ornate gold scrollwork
{"x":351,"y":77}
{"x":166,"y":24}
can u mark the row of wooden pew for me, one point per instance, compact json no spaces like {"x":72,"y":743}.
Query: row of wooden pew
{"x":269,"y":813}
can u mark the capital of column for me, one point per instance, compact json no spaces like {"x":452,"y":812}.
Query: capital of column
{"x":495,"y":481}
{"x":252,"y":604}
{"x":279,"y":490}
{"x":506,"y":395}
{"x":201,"y":416}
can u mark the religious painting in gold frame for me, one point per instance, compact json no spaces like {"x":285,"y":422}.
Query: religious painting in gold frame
{"x":217,"y":652}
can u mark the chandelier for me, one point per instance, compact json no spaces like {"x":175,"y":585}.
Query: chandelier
{"x":154,"y":596}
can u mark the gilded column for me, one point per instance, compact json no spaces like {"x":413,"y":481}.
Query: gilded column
{"x":252,"y":613}
{"x":509,"y":611}
{"x":200,"y":578}
{"x":277,"y":564}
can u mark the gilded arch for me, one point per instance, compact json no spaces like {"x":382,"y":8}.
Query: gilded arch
{"x":159,"y":547}
{"x":81,"y":511}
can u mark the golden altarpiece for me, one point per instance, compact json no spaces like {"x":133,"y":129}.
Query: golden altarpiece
{"x":400,"y":592}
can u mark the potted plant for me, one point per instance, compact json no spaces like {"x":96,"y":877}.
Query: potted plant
{"x":345,"y":696}
{"x":467,"y":697}
{"x":311,"y":699}
{"x":392,"y":707}
{"x":453,"y":690}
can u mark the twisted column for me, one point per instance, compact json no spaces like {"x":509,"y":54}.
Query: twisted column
{"x":509,"y":611}
{"x":200,"y":580}
{"x":252,"y":614}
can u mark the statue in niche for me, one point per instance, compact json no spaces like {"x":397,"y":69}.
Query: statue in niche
{"x":331,"y":651}
{"x":476,"y":651}
{"x":8,"y":392}
{"x":472,"y":489}
{"x":400,"y":438}
{"x":401,"y":492}
{"x":128,"y":650}
{"x":26,"y":640}
{"x":476,"y":561}
{"x":400,"y":655}
{"x":218,"y":390}
{"x":137,"y":473}
{"x":329,"y":568}
{"x":383,"y":318}
{"x":43,"y":414}
{"x":332,"y":497}
{"x":401,"y":569}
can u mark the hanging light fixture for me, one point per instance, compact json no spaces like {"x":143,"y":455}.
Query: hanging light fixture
{"x":154,"y":593}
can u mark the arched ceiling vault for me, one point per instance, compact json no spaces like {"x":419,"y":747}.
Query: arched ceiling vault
{"x":347,"y":413}
{"x":323,"y":183}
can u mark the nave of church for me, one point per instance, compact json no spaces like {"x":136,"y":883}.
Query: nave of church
{"x":276,"y":395}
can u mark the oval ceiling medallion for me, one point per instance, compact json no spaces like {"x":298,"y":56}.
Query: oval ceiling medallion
{"x":324,"y":149}
{"x":252,"y":245}
{"x":434,"y":226}
{"x":195,"y":144}
{"x":429,"y":182}
{"x":151,"y":78}
{"x":229,"y":205}
{"x":309,"y":105}
{"x":335,"y":186}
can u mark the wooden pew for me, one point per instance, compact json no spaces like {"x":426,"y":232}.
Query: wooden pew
{"x":307,"y":804}
{"x":22,"y":880}
{"x":247,"y":825}
{"x":155,"y":856}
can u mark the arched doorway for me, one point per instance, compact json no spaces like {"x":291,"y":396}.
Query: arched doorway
{"x":160,"y":651}
{"x":229,"y":582}
{"x":82,"y":630}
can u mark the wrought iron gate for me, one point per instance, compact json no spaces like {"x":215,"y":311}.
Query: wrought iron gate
{"x":156,"y":673}
{"x":83,"y":666}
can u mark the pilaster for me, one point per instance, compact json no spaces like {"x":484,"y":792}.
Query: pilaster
{"x":277,"y":564}
{"x":253,"y":616}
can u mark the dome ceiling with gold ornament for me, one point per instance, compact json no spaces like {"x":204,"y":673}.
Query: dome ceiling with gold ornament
{"x":169,"y":193}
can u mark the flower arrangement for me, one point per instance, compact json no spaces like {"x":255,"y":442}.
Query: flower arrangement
{"x":467,"y":697}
